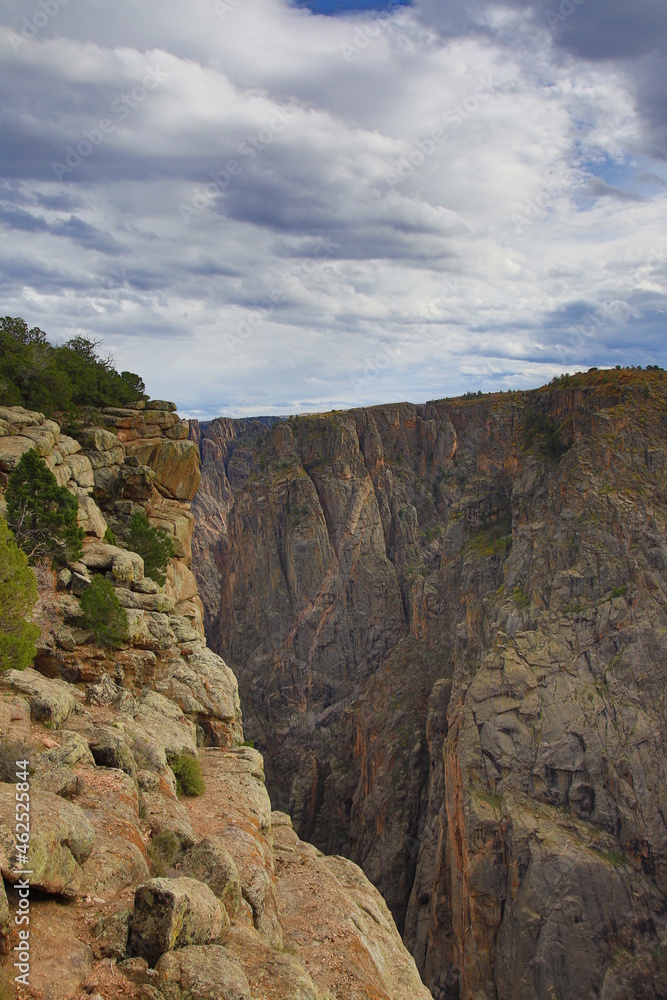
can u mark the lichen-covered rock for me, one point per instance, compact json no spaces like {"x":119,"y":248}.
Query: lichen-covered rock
{"x":160,"y":719}
{"x":61,"y":839}
{"x":163,"y":814}
{"x":112,"y":933}
{"x":210,"y":862}
{"x":50,"y":700}
{"x":206,"y":689}
{"x":127,"y":567}
{"x":173,"y":913}
{"x":118,"y":860}
{"x":110,"y":749}
{"x":202,"y":973}
{"x":54,"y":768}
{"x":103,"y":692}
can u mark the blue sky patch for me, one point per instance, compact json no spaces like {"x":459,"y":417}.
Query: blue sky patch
{"x":332,"y":7}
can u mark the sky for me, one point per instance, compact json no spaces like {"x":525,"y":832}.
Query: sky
{"x":265,"y":206}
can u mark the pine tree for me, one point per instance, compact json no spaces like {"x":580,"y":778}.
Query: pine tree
{"x":42,"y":514}
{"x":18,"y":593}
{"x":102,"y":613}
{"x":154,"y":545}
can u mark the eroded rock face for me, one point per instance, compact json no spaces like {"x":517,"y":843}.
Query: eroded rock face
{"x":446,"y":620}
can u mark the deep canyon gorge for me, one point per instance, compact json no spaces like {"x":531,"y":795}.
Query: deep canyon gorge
{"x":449,"y":627}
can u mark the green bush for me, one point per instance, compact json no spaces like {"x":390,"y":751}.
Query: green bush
{"x":102,"y":613}
{"x":18,"y":593}
{"x":109,"y":537}
{"x":187,"y":771}
{"x":163,"y":851}
{"x":41,"y":514}
{"x":154,"y":545}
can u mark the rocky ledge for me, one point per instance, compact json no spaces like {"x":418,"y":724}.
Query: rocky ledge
{"x":135,"y":892}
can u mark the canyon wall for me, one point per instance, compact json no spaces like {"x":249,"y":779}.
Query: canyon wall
{"x":449,"y":626}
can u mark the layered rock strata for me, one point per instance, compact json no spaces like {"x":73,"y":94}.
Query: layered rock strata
{"x":449,"y":625}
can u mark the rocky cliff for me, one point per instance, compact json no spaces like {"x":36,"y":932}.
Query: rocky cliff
{"x":135,"y":891}
{"x":449,"y":626}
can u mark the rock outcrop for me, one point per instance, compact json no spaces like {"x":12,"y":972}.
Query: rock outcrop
{"x":135,"y":891}
{"x":448,"y":623}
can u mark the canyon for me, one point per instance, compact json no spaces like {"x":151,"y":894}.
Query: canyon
{"x":449,"y":628}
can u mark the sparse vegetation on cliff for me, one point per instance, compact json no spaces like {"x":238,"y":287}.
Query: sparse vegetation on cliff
{"x":187,"y":771}
{"x":154,"y":546}
{"x":103,"y":614}
{"x":18,"y":593}
{"x":41,"y":514}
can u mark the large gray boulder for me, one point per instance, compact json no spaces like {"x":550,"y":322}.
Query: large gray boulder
{"x":50,"y":700}
{"x":61,"y":838}
{"x":210,"y":862}
{"x":173,"y":913}
{"x":202,"y":973}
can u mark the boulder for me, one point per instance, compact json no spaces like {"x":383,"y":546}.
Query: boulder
{"x":90,"y":518}
{"x":54,"y":768}
{"x":204,"y":686}
{"x":210,"y":862}
{"x":49,"y":700}
{"x":104,"y":691}
{"x":61,"y":839}
{"x":110,"y":750}
{"x":173,"y":913}
{"x":96,"y":439}
{"x":202,"y":973}
{"x":11,"y":449}
{"x":149,"y":629}
{"x":127,"y":567}
{"x":163,"y":721}
{"x":44,"y":437}
{"x":136,"y":481}
{"x":112,"y":932}
{"x":161,"y":404}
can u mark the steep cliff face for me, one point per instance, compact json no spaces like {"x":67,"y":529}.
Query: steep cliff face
{"x":449,"y":628}
{"x":137,"y":891}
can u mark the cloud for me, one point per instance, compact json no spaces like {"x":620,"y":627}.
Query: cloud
{"x":302,"y":211}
